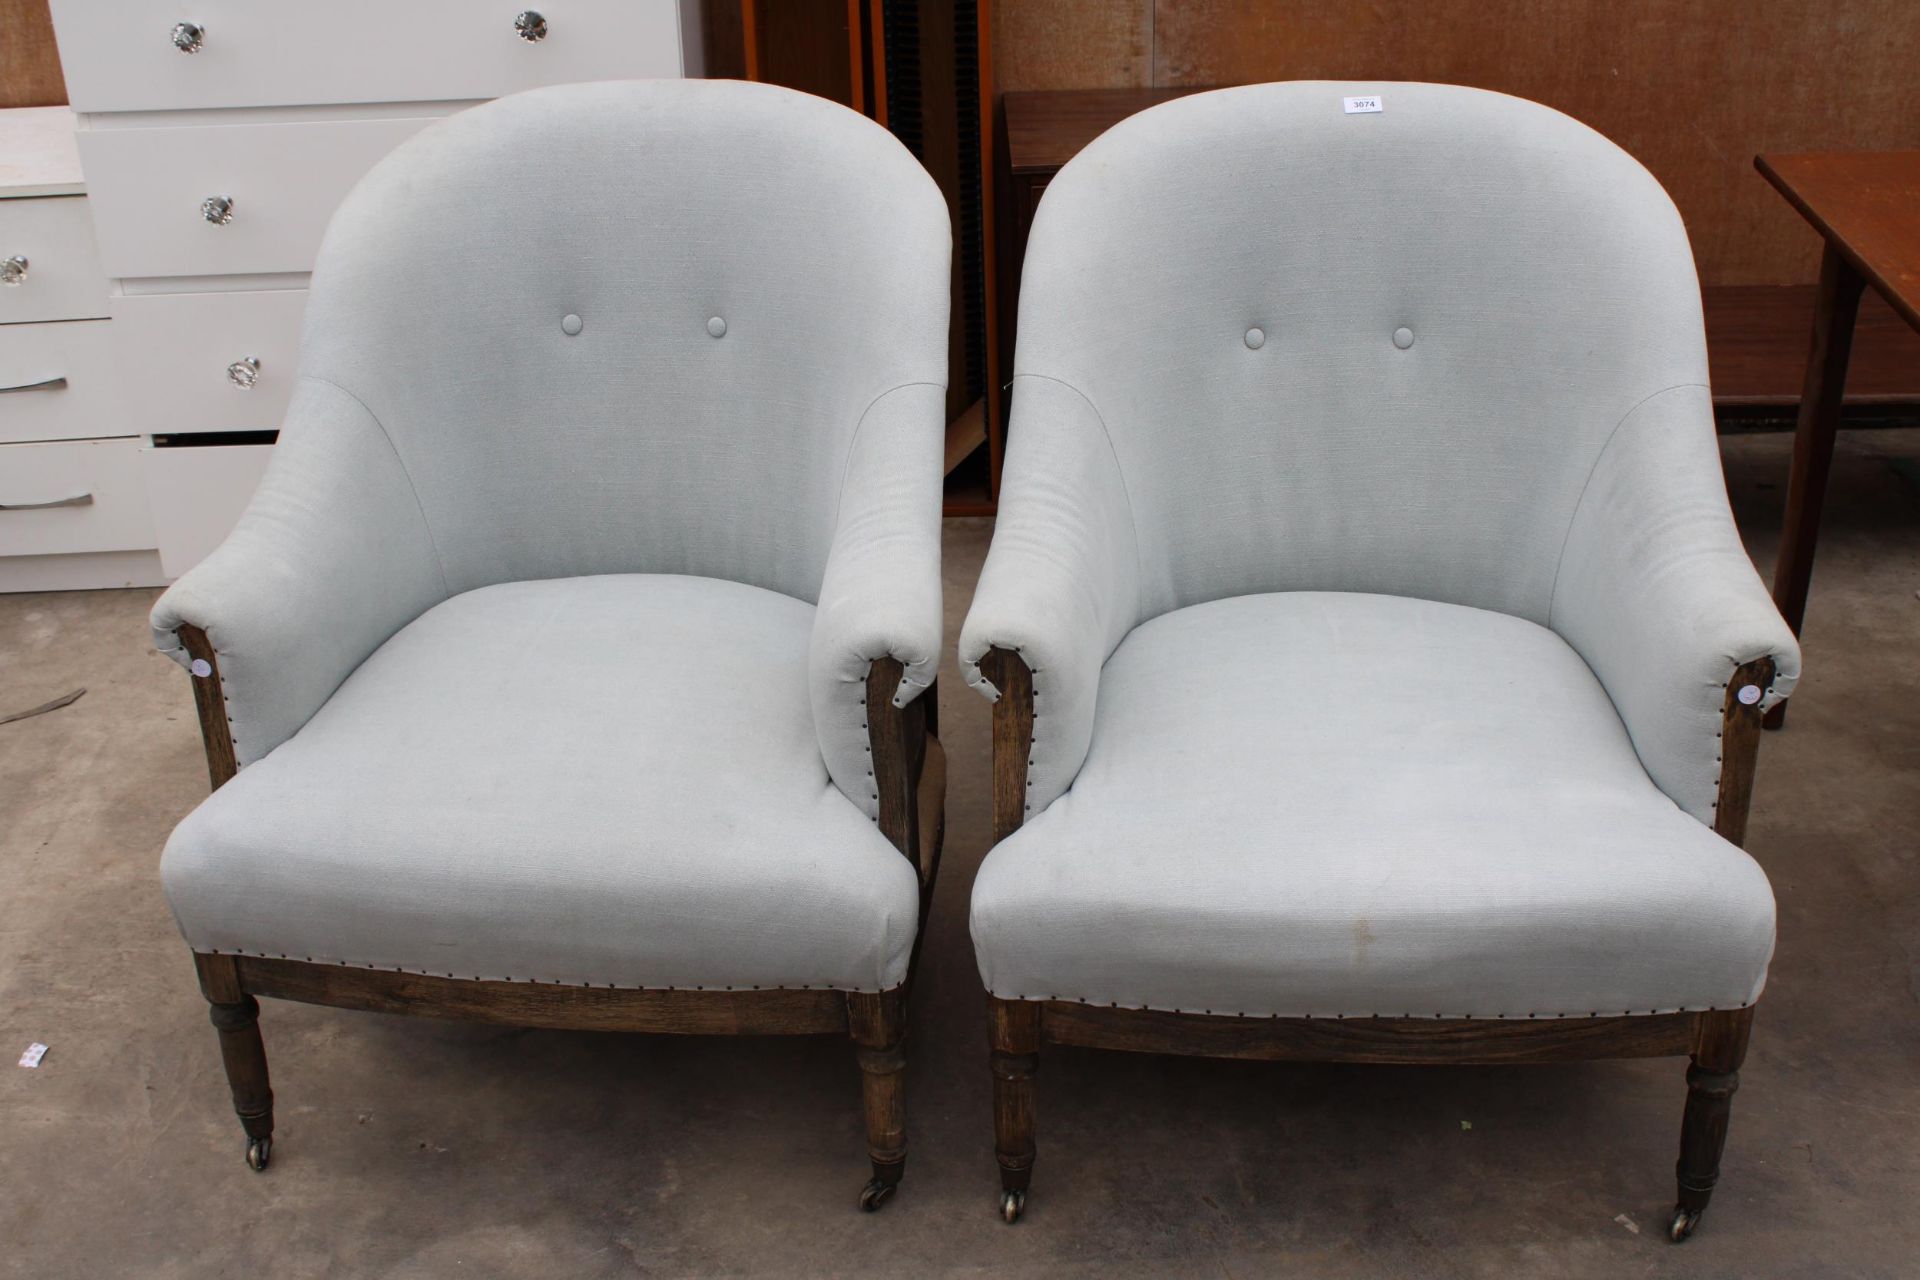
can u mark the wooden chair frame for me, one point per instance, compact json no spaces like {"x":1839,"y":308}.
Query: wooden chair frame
{"x":1716,"y":1040}
{"x":909,"y":772}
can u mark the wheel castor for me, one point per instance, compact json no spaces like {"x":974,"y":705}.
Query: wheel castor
{"x":259,"y":1151}
{"x":877,"y":1192}
{"x":1012,"y":1205}
{"x":1684,"y":1221}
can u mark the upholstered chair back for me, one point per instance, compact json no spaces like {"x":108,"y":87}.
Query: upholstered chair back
{"x":633,"y":327}
{"x":1373,"y":351}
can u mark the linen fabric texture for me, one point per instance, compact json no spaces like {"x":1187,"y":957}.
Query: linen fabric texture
{"x":449,"y":435}
{"x":1467,"y":835}
{"x":1482,"y":383}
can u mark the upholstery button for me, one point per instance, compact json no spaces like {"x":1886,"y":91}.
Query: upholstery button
{"x":717,"y":327}
{"x":570,"y":325}
{"x":1403,"y":338}
{"x":1256,"y":338}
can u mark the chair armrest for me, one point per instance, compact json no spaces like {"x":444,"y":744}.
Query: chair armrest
{"x":1061,"y":587}
{"x":331,"y":557}
{"x":880,"y":594}
{"x":1656,"y":592}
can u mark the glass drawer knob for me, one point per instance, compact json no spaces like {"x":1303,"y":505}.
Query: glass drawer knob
{"x":217,"y":209}
{"x":244,"y":372}
{"x":530,"y":26}
{"x":13,"y":271}
{"x":189,"y":37}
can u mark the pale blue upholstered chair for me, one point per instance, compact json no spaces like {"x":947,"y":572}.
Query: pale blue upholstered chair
{"x":1379,"y":667}
{"x":571,"y":655}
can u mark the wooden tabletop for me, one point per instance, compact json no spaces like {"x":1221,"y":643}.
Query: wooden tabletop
{"x":1867,"y":205}
{"x":1048,"y":127}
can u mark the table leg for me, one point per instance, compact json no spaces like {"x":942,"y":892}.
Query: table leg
{"x":1835,"y":309}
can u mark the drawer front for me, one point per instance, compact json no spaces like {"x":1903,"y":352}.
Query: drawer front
{"x":198,"y":495}
{"x":62,"y":279}
{"x":283,"y":179}
{"x":177,"y":354}
{"x":120,"y":55}
{"x":78,"y":495}
{"x":58,"y":382}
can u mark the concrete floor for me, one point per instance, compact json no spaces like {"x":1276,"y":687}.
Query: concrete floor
{"x":424,"y":1148}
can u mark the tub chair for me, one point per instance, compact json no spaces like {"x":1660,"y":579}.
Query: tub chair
{"x":571,"y":666}
{"x":1378,"y":668}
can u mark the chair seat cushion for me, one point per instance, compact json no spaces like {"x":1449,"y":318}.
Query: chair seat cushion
{"x":1319,"y":804}
{"x":607,"y":781}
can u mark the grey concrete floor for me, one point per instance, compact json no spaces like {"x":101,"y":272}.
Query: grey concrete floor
{"x":427,"y":1148}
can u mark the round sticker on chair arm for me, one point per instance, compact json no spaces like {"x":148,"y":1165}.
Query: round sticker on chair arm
{"x":1749,"y":694}
{"x":201,"y":667}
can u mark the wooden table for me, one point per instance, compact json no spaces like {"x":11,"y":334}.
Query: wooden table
{"x":1866,"y":205}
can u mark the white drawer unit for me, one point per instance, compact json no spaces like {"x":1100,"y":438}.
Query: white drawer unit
{"x":210,"y":361}
{"x":48,"y":262}
{"x":197,"y":495}
{"x":73,"y":496}
{"x":228,"y":199}
{"x":131,"y":55}
{"x":59,"y":382}
{"x":218,"y":137}
{"x":73,"y":507}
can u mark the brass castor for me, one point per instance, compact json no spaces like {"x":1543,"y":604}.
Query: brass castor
{"x":259,"y":1151}
{"x":1012,"y":1205}
{"x":1684,"y":1221}
{"x":877,"y":1192}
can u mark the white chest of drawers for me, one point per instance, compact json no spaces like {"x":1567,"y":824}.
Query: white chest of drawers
{"x":218,"y":136}
{"x":73,"y":507}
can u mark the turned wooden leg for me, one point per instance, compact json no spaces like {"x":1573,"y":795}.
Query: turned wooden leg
{"x":878,"y":1024}
{"x":1712,"y":1077}
{"x":245,"y":1059}
{"x":1015,"y":1057}
{"x":883,"y":1073}
{"x":236,"y":1016}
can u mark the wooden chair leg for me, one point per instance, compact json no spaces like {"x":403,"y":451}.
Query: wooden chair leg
{"x":878,"y":1024}
{"x":245,"y":1059}
{"x":1015,"y":1057}
{"x":1712,"y":1077}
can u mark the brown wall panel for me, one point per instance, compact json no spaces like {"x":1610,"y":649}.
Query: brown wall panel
{"x":29,"y":63}
{"x":1072,"y":44}
{"x":1694,"y":88}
